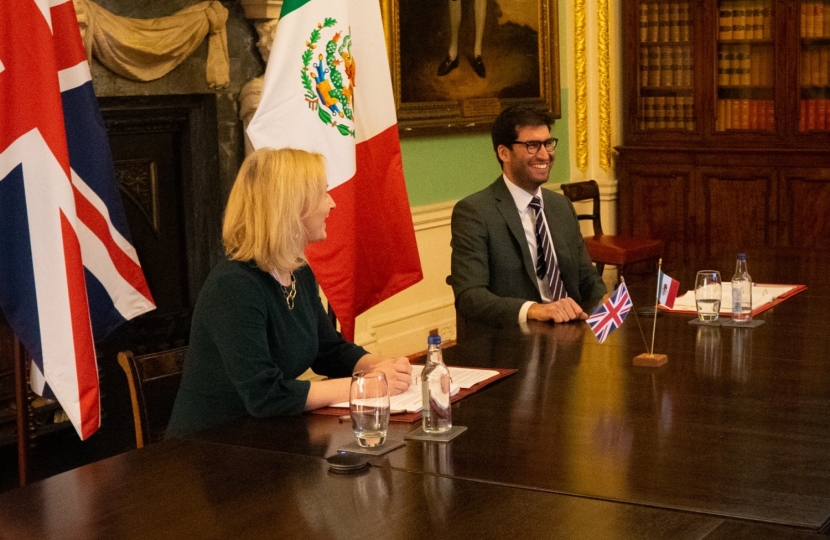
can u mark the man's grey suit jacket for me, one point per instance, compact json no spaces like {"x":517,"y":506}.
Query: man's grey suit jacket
{"x":493,"y":272}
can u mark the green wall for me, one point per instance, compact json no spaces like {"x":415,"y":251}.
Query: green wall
{"x":446,"y":168}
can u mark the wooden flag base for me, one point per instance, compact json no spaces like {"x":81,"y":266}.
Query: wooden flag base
{"x":650,"y":360}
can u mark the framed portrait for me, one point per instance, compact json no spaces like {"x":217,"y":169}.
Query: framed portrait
{"x":456,"y":64}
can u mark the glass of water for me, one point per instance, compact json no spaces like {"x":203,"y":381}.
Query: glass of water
{"x":369,"y":408}
{"x":708,"y":295}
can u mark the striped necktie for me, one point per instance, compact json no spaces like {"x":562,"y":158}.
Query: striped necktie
{"x":547,"y":268}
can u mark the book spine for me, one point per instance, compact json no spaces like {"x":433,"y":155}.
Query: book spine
{"x":653,"y":23}
{"x":824,"y":66}
{"x":660,"y":112}
{"x":732,"y":63}
{"x":671,"y":112}
{"x":720,"y":119}
{"x":643,"y":21}
{"x":666,"y":71}
{"x":753,"y":114}
{"x":654,"y":65}
{"x":663,"y":21}
{"x":689,"y":113}
{"x":725,"y":20}
{"x":728,"y":117}
{"x":771,"y":115}
{"x":686,"y":57}
{"x":821,"y":114}
{"x":758,"y":15}
{"x":744,"y":119}
{"x":811,"y":114}
{"x":815,"y":67}
{"x":803,"y":18}
{"x":818,"y":23}
{"x":739,"y":20}
{"x":644,"y":67}
{"x":674,"y":22}
{"x":804,"y":68}
{"x":826,"y":27}
{"x":685,"y":23}
{"x":723,"y":66}
{"x":648,"y":112}
{"x":745,"y":65}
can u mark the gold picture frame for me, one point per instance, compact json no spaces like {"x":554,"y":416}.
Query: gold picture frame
{"x":520,"y":53}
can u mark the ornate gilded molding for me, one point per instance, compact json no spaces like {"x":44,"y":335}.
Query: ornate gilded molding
{"x":581,"y":84}
{"x":138,"y":180}
{"x":604,"y":76}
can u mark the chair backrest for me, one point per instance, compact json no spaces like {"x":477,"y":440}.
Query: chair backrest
{"x":585,"y":191}
{"x":154,"y":381}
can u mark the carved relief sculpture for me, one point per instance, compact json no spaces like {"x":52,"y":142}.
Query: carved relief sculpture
{"x":148,"y":49}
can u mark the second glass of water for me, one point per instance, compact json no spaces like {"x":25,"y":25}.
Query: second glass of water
{"x":369,"y":408}
{"x":708,"y":295}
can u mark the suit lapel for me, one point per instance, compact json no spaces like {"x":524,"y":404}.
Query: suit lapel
{"x":507,"y":208}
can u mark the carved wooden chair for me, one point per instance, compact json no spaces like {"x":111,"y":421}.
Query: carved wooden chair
{"x":154,"y":381}
{"x":610,"y":249}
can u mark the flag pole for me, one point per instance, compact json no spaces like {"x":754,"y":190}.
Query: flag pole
{"x":649,"y":359}
{"x":656,"y":303}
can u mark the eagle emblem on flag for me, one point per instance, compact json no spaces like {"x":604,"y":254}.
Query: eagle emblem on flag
{"x":328,"y":79}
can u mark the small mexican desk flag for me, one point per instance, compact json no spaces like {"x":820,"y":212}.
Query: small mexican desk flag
{"x":327,"y":89}
{"x":666,"y":289}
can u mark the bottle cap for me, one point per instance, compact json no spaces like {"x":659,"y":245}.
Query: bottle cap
{"x":433,"y":339}
{"x":741,"y":256}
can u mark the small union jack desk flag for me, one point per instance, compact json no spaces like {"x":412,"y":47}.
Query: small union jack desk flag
{"x":611,"y":314}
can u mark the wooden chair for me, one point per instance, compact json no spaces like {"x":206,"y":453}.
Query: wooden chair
{"x":610,"y":249}
{"x":153,"y":380}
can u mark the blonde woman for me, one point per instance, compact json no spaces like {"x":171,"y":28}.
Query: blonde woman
{"x":259,"y":322}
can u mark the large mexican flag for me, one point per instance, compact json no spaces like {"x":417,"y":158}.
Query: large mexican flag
{"x":328,"y":90}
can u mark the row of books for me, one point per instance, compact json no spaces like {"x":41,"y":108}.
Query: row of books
{"x":667,"y":112}
{"x":743,"y":64}
{"x":745,"y":19}
{"x":815,"y":65}
{"x":666,"y":65}
{"x":664,"y":21}
{"x":757,"y":114}
{"x":815,"y":18}
{"x":814,"y":115}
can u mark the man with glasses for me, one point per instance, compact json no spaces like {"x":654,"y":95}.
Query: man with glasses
{"x":517,"y":250}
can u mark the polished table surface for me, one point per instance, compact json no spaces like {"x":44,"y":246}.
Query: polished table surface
{"x":737,"y":424}
{"x":190,"y":489}
{"x":728,"y":440}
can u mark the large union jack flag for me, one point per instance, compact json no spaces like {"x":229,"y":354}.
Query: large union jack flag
{"x":68,"y":271}
{"x":611,"y":314}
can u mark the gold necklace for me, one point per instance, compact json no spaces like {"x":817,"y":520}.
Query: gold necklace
{"x":289,"y":292}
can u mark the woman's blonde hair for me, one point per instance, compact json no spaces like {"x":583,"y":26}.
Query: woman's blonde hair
{"x":272,"y":194}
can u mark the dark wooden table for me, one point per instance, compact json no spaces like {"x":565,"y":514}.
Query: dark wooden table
{"x":728,"y":440}
{"x":190,"y":489}
{"x":737,"y":424}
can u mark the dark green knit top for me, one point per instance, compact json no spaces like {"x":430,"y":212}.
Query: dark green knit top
{"x":247,"y":348}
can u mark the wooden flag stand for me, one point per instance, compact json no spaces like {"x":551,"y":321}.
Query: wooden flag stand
{"x":650,"y":359}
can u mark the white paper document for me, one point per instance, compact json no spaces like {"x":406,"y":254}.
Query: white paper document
{"x":411,"y":400}
{"x":762,"y":294}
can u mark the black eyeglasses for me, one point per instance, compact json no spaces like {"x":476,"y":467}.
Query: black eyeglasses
{"x":534,"y":146}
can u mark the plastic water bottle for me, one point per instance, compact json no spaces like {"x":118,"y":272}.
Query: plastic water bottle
{"x":741,"y":292}
{"x":435,"y":388}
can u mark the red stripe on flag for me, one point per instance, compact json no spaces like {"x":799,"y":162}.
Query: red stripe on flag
{"x":126,"y":266}
{"x":85,"y":364}
{"x":370,"y":253}
{"x":29,"y":90}
{"x":69,"y":49}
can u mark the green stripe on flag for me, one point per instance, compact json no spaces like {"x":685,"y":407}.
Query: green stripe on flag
{"x":290,"y":5}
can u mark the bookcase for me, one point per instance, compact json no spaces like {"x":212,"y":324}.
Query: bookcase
{"x":726,"y":125}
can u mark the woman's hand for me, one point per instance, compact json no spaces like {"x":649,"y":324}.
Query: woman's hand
{"x":398,"y":373}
